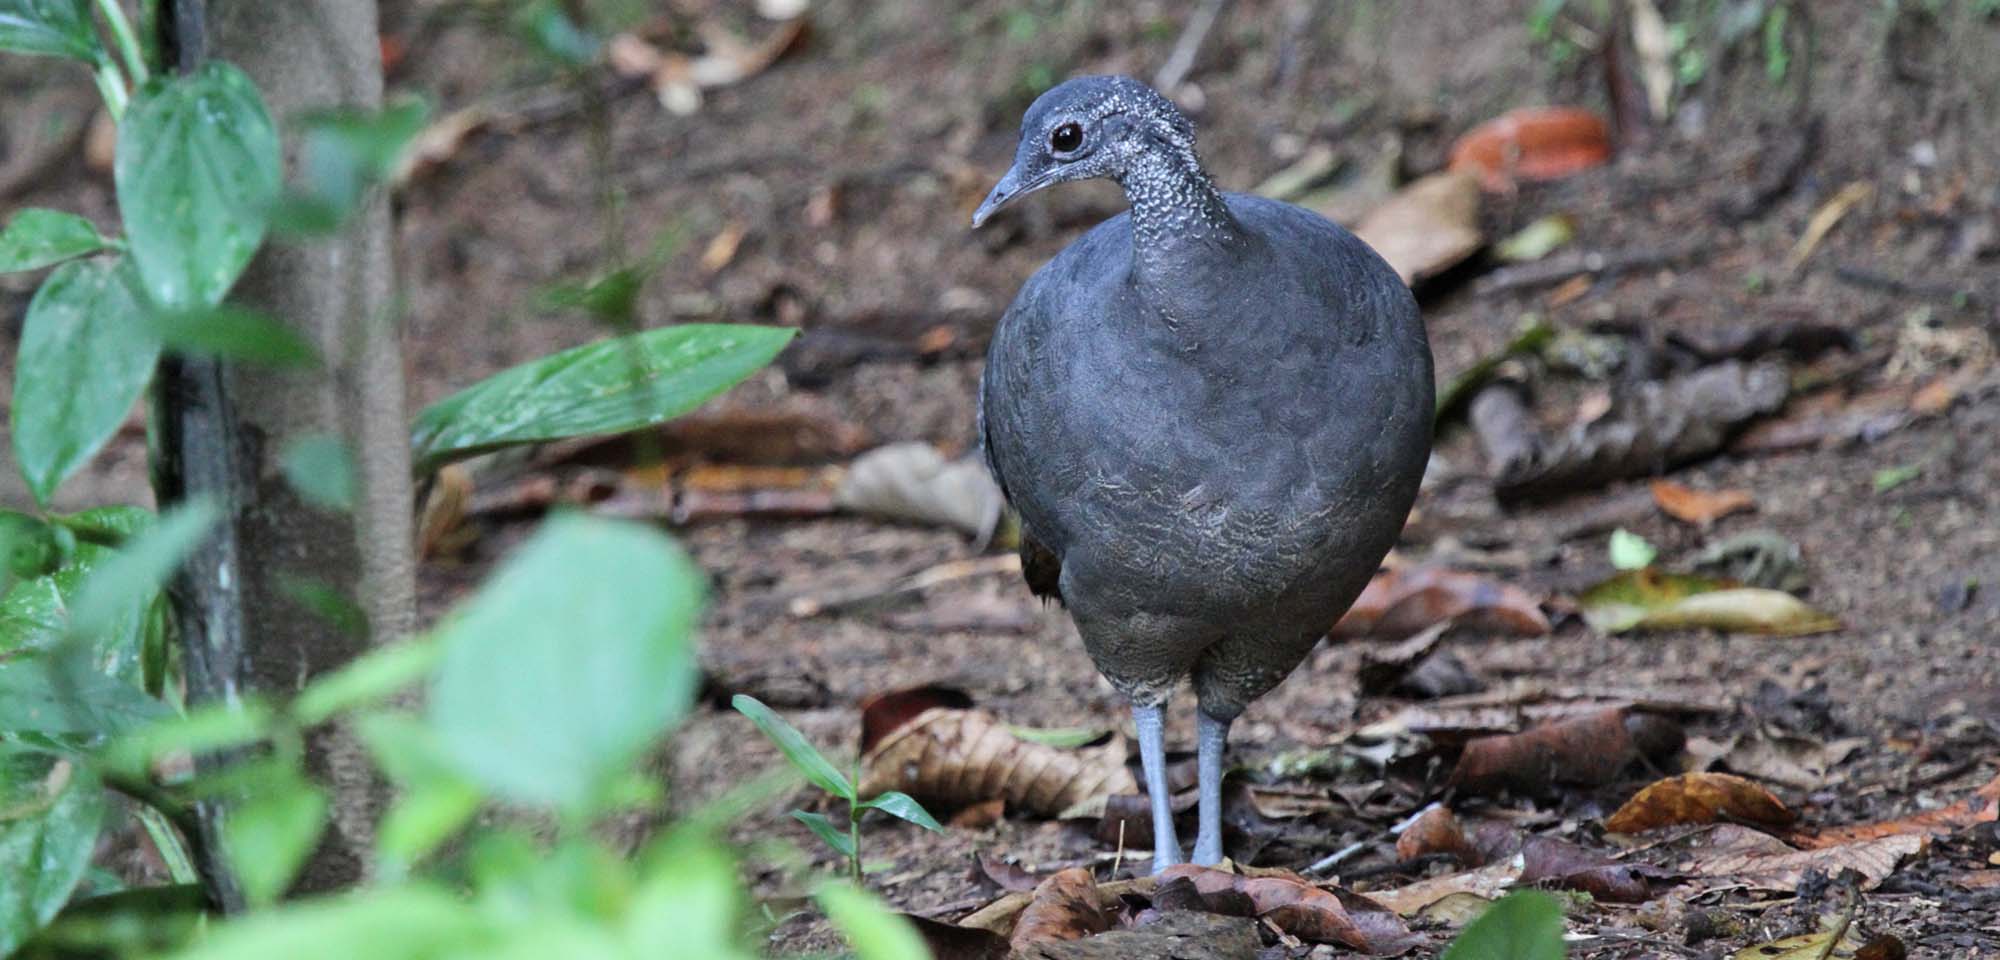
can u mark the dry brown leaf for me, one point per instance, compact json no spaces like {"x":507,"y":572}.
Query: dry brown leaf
{"x":951,"y":757}
{"x":722,"y":249}
{"x":1982,"y":807}
{"x":1699,"y":798}
{"x":1487,"y":883}
{"x":1744,"y":855}
{"x":1801,"y":763}
{"x":1427,"y":227}
{"x":1066,"y":906}
{"x":979,"y":816}
{"x":950,"y":941}
{"x":1532,"y":143}
{"x":440,"y":523}
{"x":1405,"y":601}
{"x":1699,"y":507}
{"x":914,"y":482}
{"x":1555,"y":862}
{"x":439,"y":142}
{"x":1436,"y":830}
{"x":1296,"y":906}
{"x":1587,"y":750}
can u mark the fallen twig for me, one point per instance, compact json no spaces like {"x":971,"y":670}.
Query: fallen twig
{"x":1560,"y":268}
{"x":1181,"y":60}
{"x":835,"y":601}
{"x":1872,"y":280}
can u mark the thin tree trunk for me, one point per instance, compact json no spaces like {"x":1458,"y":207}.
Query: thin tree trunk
{"x":224,"y":430}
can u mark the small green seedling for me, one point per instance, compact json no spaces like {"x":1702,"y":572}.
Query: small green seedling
{"x":1523,"y":925}
{"x":827,"y":777}
{"x":1630,"y":551}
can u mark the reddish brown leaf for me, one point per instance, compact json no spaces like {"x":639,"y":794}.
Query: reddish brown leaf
{"x":1005,"y":875}
{"x":1587,"y":750}
{"x":885,"y":713}
{"x":1699,"y":507}
{"x":1699,"y":798}
{"x":1066,"y":906}
{"x":981,"y":815}
{"x":1398,"y":603}
{"x":1298,"y":907}
{"x":1533,"y":143}
{"x":1982,"y":807}
{"x":1740,"y":854}
{"x":949,"y":941}
{"x":1552,"y":861}
{"x":1435,"y":831}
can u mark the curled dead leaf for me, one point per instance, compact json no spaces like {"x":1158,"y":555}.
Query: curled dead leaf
{"x":1739,"y":854}
{"x":1532,"y":143}
{"x":1405,"y":601}
{"x":1699,"y":507}
{"x":1983,"y":806}
{"x":951,"y":757}
{"x":1300,"y":908}
{"x":1591,"y":749}
{"x":1436,"y":830}
{"x":914,"y":482}
{"x":1428,"y":227}
{"x":1651,"y":599}
{"x":1555,"y":862}
{"x":1066,"y":906}
{"x":1486,"y":883}
{"x":1699,"y":798}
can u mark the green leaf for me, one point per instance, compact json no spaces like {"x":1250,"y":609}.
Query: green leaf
{"x":319,"y":468}
{"x":196,"y":169}
{"x":233,"y":333}
{"x":66,"y":697}
{"x":1068,"y":738}
{"x":422,"y":818}
{"x":50,"y":811}
{"x":367,"y":679}
{"x":343,"y":152}
{"x":608,"y":387}
{"x":215,"y":726}
{"x":1536,"y":240}
{"x":86,"y":356}
{"x":875,"y":932}
{"x":548,"y":29}
{"x":795,"y":747}
{"x":54,"y":28}
{"x":905,"y":807}
{"x":35,"y":615}
{"x":1630,"y":551}
{"x":110,"y":526}
{"x":690,"y":902}
{"x":326,"y":602}
{"x":1654,"y":600}
{"x":133,"y":922}
{"x":405,"y":922}
{"x":132,"y":575}
{"x":1523,"y":925}
{"x":270,"y":832}
{"x":37,"y":238}
{"x":1889,"y":478}
{"x":833,"y":834}
{"x":592,"y":623}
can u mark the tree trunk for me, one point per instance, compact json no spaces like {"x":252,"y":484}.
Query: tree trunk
{"x":224,"y":430}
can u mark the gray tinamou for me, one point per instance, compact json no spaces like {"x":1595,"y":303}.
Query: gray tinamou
{"x":1211,"y":412}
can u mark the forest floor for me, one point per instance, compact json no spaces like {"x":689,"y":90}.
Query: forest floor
{"x":832,"y":191}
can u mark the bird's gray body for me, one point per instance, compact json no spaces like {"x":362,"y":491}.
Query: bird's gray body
{"x":1214,"y":467}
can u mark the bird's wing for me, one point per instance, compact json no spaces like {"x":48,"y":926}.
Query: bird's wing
{"x":1040,"y":566}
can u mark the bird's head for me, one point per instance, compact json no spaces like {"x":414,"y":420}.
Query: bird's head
{"x":1088,"y":127}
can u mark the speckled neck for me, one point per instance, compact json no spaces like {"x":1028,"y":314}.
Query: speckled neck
{"x":1177,"y":214}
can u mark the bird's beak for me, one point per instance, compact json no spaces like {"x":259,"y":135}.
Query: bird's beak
{"x":1010,"y":186}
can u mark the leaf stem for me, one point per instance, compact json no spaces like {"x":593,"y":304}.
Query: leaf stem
{"x":854,"y":841}
{"x":128,"y":42}
{"x":111,"y":84}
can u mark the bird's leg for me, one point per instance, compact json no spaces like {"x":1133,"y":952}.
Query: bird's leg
{"x":1214,"y":735}
{"x":1153,"y":757}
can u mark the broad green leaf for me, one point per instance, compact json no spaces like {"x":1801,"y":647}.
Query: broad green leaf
{"x":32,"y":616}
{"x":592,"y":623}
{"x":196,"y":170}
{"x":690,"y":902}
{"x":38,"y":238}
{"x":1523,"y":925}
{"x":86,"y":356}
{"x":1630,"y":551}
{"x":422,"y":818}
{"x":319,"y":468}
{"x":233,"y":333}
{"x":132,"y":922}
{"x":1536,"y":240}
{"x":67,"y":697}
{"x":268,"y":834}
{"x":433,"y":801}
{"x":612,"y":298}
{"x":110,"y":526}
{"x":548,"y":28}
{"x":367,"y":679}
{"x":35,"y":615}
{"x":1655,"y":600}
{"x":28,"y":548}
{"x":795,"y":747}
{"x":214,"y":726}
{"x":832,"y":833}
{"x":904,"y":807}
{"x":133,"y":574}
{"x":342,"y":152}
{"x":54,"y":28}
{"x":875,"y":932}
{"x":326,"y":602}
{"x":50,"y":812}
{"x":608,"y":387}
{"x":405,"y":922}
{"x":1068,"y":738}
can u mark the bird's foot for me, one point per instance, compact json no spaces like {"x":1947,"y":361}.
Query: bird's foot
{"x":1207,"y":848}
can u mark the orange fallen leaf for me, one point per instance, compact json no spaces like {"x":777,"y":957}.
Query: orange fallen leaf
{"x":1699,"y":507}
{"x":1435,"y":831}
{"x":1982,"y":807}
{"x":1532,"y":143}
{"x":722,"y":249}
{"x":1404,"y":601}
{"x":1699,"y":798}
{"x":1740,"y":854}
{"x":1066,"y":906}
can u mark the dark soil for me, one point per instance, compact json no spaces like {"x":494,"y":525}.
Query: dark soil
{"x":904,"y":113}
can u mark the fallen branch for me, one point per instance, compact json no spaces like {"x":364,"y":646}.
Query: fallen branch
{"x":1560,"y":268}
{"x":1181,"y":60}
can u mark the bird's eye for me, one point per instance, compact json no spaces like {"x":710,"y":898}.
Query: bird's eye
{"x":1066,"y":138}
